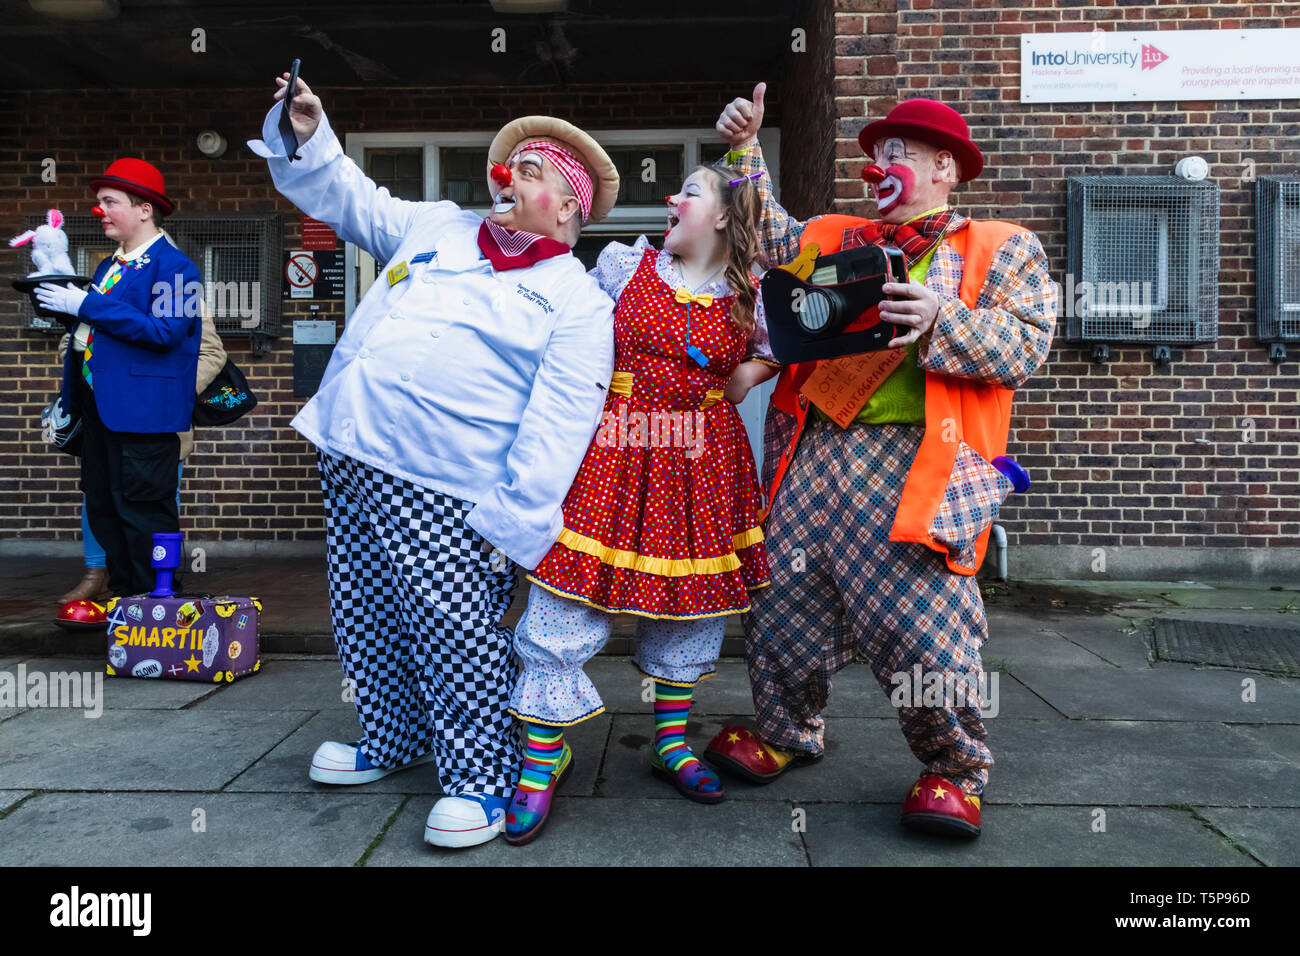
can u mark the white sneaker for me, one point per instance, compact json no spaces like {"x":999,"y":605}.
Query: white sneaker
{"x":345,"y":764}
{"x":467,"y":820}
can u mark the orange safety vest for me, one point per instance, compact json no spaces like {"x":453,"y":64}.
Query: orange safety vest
{"x":956,"y":409}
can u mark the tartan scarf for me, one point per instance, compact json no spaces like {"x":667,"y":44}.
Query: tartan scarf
{"x":914,"y":238}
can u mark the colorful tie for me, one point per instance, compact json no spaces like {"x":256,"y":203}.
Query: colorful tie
{"x":114,"y":274}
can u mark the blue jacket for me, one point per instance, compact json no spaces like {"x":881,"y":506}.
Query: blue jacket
{"x":144,"y":356}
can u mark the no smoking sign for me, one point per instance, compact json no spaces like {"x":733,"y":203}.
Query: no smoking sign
{"x":313,"y":274}
{"x":300,"y":272}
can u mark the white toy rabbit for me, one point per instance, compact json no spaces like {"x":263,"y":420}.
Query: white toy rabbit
{"x":49,"y":247}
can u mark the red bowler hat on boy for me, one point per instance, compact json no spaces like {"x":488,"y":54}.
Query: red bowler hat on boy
{"x":139,"y":178}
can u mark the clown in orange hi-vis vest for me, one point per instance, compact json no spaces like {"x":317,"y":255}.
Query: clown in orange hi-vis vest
{"x":879,"y":512}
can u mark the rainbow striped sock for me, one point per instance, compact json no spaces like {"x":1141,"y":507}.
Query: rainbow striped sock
{"x":541,"y":756}
{"x":672,"y":707}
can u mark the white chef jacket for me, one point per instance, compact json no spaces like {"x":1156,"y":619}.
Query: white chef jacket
{"x":484,"y":385}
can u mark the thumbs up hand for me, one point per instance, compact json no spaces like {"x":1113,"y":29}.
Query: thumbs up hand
{"x":740,"y":120}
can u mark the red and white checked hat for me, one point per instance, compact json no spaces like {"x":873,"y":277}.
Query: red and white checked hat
{"x":575,"y":154}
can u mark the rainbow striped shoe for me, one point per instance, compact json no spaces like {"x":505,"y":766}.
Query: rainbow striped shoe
{"x":529,"y":809}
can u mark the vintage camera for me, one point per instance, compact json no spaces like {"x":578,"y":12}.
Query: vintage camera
{"x":834,"y":312}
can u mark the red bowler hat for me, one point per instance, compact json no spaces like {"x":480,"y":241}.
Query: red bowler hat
{"x":139,"y":178}
{"x":931,"y":122}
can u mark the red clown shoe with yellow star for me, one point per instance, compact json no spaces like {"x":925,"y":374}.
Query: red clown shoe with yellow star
{"x":937,"y":805}
{"x":737,"y":749}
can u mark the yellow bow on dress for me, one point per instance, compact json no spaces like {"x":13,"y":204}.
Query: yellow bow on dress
{"x":684,"y":296}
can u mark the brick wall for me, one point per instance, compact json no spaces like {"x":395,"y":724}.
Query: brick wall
{"x":255,"y":480}
{"x":1114,"y":450}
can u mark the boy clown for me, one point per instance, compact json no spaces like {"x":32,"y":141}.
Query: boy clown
{"x":450,"y":423}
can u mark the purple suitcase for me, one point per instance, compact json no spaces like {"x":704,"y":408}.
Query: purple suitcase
{"x":184,"y":637}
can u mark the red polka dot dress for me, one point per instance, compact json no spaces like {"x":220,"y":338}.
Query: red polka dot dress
{"x":662,"y":518}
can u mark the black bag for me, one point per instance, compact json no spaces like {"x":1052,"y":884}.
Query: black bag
{"x":61,"y":428}
{"x":226,"y":398}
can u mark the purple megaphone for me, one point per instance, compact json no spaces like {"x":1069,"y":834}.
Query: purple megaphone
{"x":166,"y":560}
{"x":1018,"y":476}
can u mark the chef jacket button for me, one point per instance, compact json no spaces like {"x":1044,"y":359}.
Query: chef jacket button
{"x":465,"y":301}
{"x":435,"y":333}
{"x":406,"y":376}
{"x":395,"y":314}
{"x":364,"y":353}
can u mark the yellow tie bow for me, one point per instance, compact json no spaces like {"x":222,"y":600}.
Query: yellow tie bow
{"x":684,"y":296}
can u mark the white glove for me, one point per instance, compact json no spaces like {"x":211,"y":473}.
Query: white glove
{"x":67,"y":299}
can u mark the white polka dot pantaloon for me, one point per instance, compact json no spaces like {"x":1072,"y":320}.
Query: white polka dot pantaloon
{"x":556,"y":636}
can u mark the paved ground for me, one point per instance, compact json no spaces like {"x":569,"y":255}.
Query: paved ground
{"x":1104,"y":757}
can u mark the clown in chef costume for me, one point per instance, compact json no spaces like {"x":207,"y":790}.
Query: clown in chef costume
{"x":450,"y":422}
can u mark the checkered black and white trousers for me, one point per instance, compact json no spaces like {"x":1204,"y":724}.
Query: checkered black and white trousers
{"x":416,"y":598}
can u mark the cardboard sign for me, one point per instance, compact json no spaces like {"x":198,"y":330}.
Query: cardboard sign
{"x":841,"y":387}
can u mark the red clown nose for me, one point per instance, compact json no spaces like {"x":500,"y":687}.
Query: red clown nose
{"x":871,"y":173}
{"x":97,"y":211}
{"x":501,"y":174}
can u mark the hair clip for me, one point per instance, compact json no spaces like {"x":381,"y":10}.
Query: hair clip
{"x":737,"y":182}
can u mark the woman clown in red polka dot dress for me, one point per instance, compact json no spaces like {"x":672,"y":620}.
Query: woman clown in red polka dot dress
{"x":662,"y":521}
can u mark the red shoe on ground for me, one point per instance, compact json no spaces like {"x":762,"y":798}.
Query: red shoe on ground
{"x":737,"y":749}
{"x":937,"y":805}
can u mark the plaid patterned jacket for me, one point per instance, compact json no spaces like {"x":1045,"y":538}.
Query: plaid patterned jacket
{"x":1002,"y":340}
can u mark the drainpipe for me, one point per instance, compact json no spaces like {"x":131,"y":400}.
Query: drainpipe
{"x":1000,"y":542}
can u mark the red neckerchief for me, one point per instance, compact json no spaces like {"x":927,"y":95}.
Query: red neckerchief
{"x":914,"y":238}
{"x":515,"y":249}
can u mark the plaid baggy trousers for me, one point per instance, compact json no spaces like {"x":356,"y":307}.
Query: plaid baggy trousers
{"x":840,"y":587}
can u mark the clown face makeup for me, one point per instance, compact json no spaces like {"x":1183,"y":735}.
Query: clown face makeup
{"x":534,"y":198}
{"x":695,"y":214}
{"x":913,"y":181}
{"x":122,"y":221}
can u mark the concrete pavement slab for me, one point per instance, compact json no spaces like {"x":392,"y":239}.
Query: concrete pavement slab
{"x":1232,"y":598}
{"x":284,"y":684}
{"x":1119,"y":640}
{"x":1139,"y":763}
{"x":1271,"y":835}
{"x":840,"y":834}
{"x":1043,"y":646}
{"x":152,"y":829}
{"x":10,"y":797}
{"x":1165,"y":691}
{"x":284,"y":769}
{"x":126,"y":750}
{"x":1282,"y":739}
{"x":587,"y":831}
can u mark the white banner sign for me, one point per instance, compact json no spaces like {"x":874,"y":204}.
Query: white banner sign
{"x":1113,"y":67}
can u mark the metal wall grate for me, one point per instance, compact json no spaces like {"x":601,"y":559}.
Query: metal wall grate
{"x":1277,"y":213}
{"x":1144,"y":259}
{"x":238,"y":256}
